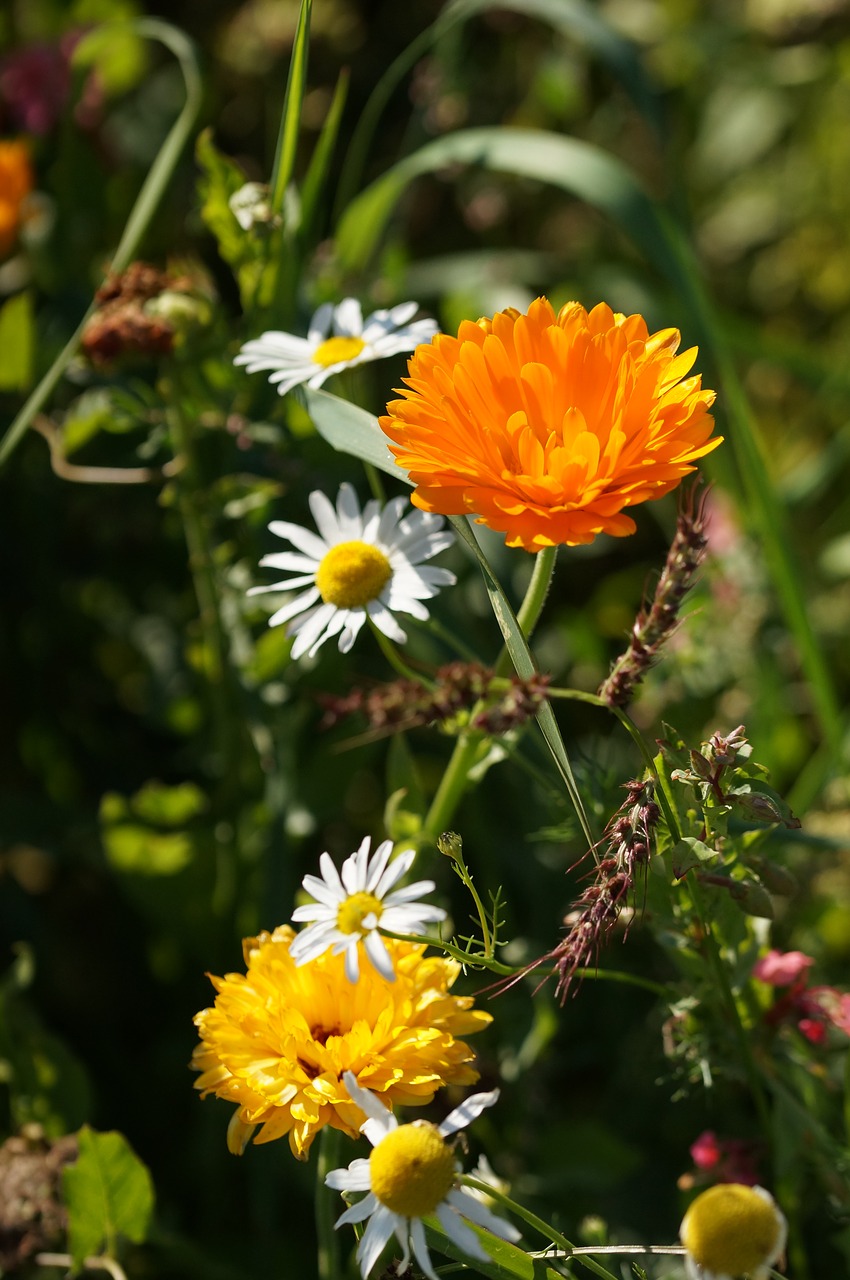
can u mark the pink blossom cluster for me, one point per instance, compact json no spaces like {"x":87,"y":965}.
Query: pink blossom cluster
{"x":721,"y":1160}
{"x":814,"y":1009}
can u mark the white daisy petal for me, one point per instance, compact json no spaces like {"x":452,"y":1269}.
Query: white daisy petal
{"x":369,"y":1103}
{"x":354,"y":622}
{"x":288,"y":611}
{"x":308,"y":630}
{"x":331,"y":876}
{"x":410,"y":919}
{"x":324,"y":513}
{"x":352,"y":962}
{"x":375,"y":1237}
{"x":358,"y":1211}
{"x":355,"y":1178}
{"x":420,"y":1248}
{"x":380,"y":858}
{"x":301,"y":538}
{"x":320,"y":324}
{"x":377,"y":952}
{"x":467,"y":1111}
{"x":293,"y":561}
{"x":348,"y":318}
{"x":472,"y":1208}
{"x":324,"y":890}
{"x":397,"y":868}
{"x":385,"y":621}
{"x":461,"y":1235}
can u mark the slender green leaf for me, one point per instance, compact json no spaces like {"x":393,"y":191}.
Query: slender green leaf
{"x":352,"y":430}
{"x":525,"y":666}
{"x":290,"y":120}
{"x":17,"y":343}
{"x":152,"y":191}
{"x":108,"y":1193}
{"x":576,"y":167}
{"x":317,"y":173}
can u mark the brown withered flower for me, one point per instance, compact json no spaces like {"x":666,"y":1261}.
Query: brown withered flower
{"x":32,"y":1215}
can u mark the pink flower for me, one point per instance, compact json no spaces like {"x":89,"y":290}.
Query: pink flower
{"x":781,"y":968}
{"x":829,"y":1004}
{"x":721,"y":1160}
{"x":706,"y":1152}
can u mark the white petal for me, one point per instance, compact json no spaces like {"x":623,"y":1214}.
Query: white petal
{"x":348,"y":513}
{"x":377,"y":952}
{"x":301,"y":604}
{"x":472,"y":1208}
{"x":286,"y":584}
{"x":420,"y":1248}
{"x":348,"y":318}
{"x":379,"y":861}
{"x":331,"y":876}
{"x":320,"y":324}
{"x":390,"y":516}
{"x":324,"y":514}
{"x":354,"y":1178}
{"x":328,"y":890}
{"x":398,"y":867}
{"x":304,"y":539}
{"x":369,"y":1103}
{"x":308,"y":632}
{"x":408,"y":893}
{"x":411,"y":919}
{"x":307,"y":946}
{"x":357,"y":1212}
{"x":353,"y":622}
{"x":380,"y":1228}
{"x":355,"y":867}
{"x":352,"y":961}
{"x":315,"y":911}
{"x":467,"y":1111}
{"x":385,"y":621}
{"x":461,"y":1235}
{"x":294,"y":561}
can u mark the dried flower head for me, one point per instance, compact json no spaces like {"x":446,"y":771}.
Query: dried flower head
{"x":32,"y":1215}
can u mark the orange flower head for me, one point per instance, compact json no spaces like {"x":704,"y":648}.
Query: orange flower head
{"x":547,"y":426}
{"x":16,"y":182}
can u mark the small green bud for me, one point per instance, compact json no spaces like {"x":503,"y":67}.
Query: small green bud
{"x":450,"y":844}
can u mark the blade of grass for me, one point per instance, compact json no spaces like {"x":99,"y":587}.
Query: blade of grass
{"x":317,"y":173}
{"x":571,"y":18}
{"x":147,"y":201}
{"x":290,"y":120}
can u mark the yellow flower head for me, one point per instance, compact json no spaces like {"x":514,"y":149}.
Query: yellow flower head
{"x":280,"y":1037}
{"x":547,"y":427}
{"x":16,"y":182}
{"x":732,"y":1230}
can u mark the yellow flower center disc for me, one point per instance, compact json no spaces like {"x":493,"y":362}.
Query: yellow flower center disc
{"x":352,"y":574}
{"x":412,"y":1170}
{"x":732,"y":1229}
{"x":336,"y":350}
{"x":352,"y":912}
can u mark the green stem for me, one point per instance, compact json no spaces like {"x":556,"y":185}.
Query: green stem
{"x":147,"y":201}
{"x":393,"y":657}
{"x":454,"y":781}
{"x":327,"y":1203}
{"x":538,"y":1224}
{"x":476,"y":959}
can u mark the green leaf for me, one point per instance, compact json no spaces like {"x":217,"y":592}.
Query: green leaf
{"x":290,"y":121}
{"x":320,"y":162}
{"x":108,"y":1193}
{"x":351,"y":430}
{"x":525,"y":666}
{"x":507,"y":1261}
{"x":221,"y":178}
{"x":576,"y":167}
{"x":690,"y":852}
{"x":17,"y":342}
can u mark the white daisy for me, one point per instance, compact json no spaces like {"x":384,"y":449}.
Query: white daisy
{"x":732,"y":1230}
{"x":411,"y":1174}
{"x":350,"y":906}
{"x":359,"y":565}
{"x":338,"y":338}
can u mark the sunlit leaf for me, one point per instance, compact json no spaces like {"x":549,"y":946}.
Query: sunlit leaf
{"x":108,"y":1193}
{"x":17,"y":343}
{"x":351,"y":430}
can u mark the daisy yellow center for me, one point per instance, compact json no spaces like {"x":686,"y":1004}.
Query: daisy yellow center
{"x":731,"y":1230}
{"x":352,"y":574}
{"x":352,"y":912}
{"x":412,"y":1170}
{"x":337,"y":350}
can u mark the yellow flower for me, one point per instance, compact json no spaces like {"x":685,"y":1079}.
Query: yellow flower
{"x":16,"y":182}
{"x":547,"y":427}
{"x":732,"y":1230}
{"x":279,"y":1039}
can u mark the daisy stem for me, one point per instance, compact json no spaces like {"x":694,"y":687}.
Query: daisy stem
{"x":392,"y":655}
{"x":454,"y":781}
{"x":329,"y":1263}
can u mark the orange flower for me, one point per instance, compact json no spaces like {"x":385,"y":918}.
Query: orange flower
{"x":16,"y":182}
{"x":547,"y":426}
